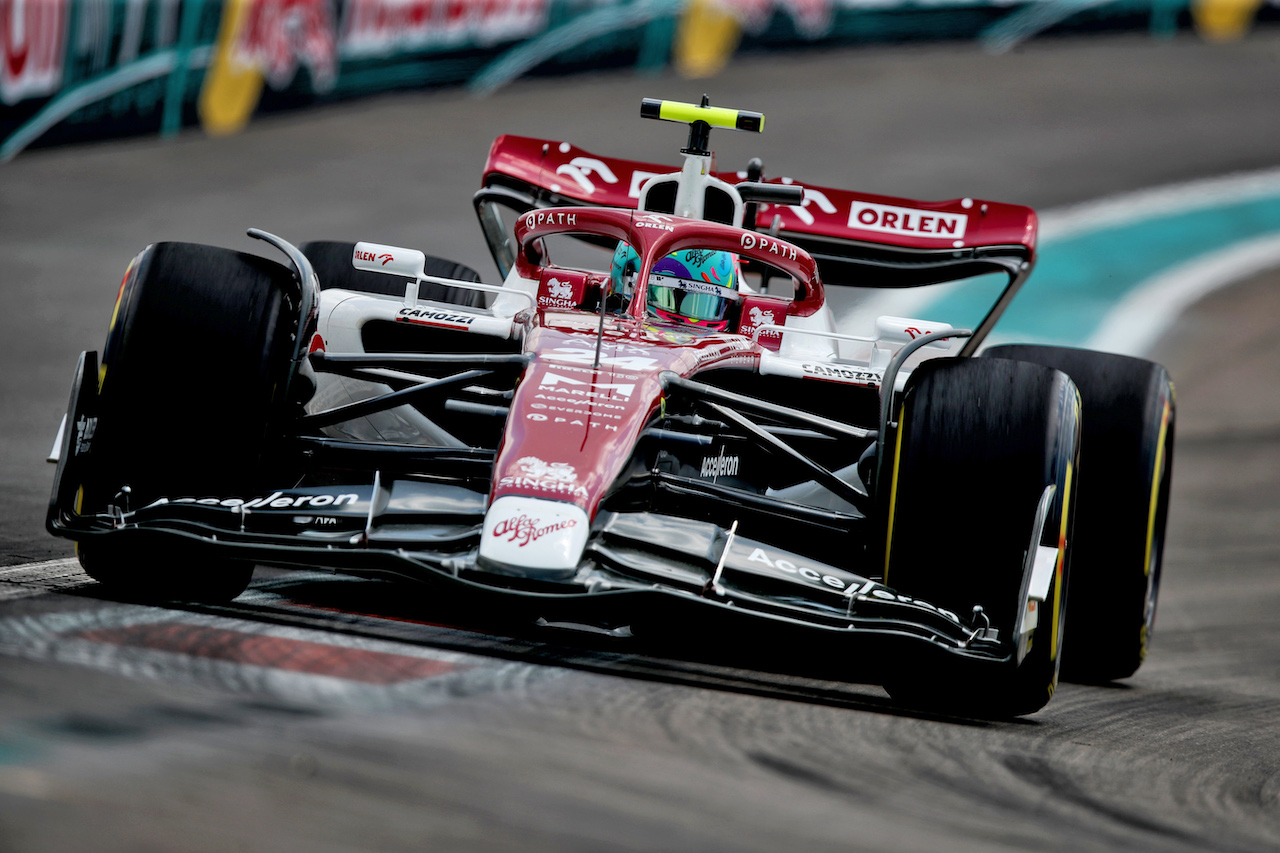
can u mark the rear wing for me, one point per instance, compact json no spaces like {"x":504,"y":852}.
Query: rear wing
{"x":911,"y":242}
{"x":857,"y":239}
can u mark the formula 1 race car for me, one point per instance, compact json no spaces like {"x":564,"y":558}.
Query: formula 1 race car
{"x":663,"y":425}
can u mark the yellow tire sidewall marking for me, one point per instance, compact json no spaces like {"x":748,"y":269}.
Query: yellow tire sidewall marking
{"x":893,"y":488}
{"x":1062,"y":556}
{"x":1157,"y":475}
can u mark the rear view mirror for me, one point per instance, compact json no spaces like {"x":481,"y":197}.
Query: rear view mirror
{"x":392,"y":260}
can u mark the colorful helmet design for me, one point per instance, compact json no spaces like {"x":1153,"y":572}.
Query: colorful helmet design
{"x":623,"y":272}
{"x":697,"y":287}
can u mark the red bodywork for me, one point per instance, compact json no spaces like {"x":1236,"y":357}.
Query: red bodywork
{"x":580,"y":419}
{"x":828,"y":213}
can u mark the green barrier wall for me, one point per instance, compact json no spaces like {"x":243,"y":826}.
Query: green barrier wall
{"x":73,"y":70}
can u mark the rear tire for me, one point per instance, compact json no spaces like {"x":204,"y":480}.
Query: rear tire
{"x":977,"y":444}
{"x":191,"y":400}
{"x":331,"y":260}
{"x":1127,"y":452}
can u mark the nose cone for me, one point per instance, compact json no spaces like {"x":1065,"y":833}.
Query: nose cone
{"x":533,"y":537}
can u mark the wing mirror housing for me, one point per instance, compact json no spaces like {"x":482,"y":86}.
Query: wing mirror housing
{"x":391,"y":260}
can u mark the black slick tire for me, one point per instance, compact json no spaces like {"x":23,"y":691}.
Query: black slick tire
{"x":1125,"y":478}
{"x":976,"y":448}
{"x":191,"y":399}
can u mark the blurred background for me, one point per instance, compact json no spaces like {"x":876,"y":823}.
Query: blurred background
{"x":75,"y":70}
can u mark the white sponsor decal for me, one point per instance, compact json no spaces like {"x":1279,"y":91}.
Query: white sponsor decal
{"x":435,"y":317}
{"x":588,"y":340}
{"x":638,"y":178}
{"x":817,"y":197}
{"x":586,"y":356}
{"x":275,"y":500}
{"x":568,"y":410}
{"x":690,"y":285}
{"x":595,"y":404}
{"x":886,"y":595}
{"x":552,"y":477}
{"x":655,"y":220}
{"x":538,"y":416}
{"x":591,"y":389}
{"x":559,"y":295}
{"x":579,"y":168}
{"x":85,"y":428}
{"x":841,"y":373}
{"x":724,"y":353}
{"x":759,"y":317}
{"x":758,"y":555}
{"x":532,"y":466}
{"x":773,"y":247}
{"x":558,"y":289}
{"x":533,"y":220}
{"x":887,"y":219}
{"x":719,"y":466}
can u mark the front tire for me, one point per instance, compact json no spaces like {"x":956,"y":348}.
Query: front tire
{"x":1127,"y":452}
{"x":191,"y":401}
{"x":977,"y":446}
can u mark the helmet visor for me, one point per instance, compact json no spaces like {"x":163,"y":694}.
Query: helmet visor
{"x":696,"y":300}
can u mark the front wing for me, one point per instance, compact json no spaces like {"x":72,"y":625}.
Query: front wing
{"x":642,"y":572}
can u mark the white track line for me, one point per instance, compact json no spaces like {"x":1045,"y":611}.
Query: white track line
{"x":1153,"y":203}
{"x":66,"y":562}
{"x":1138,"y":321}
{"x":32,"y":579}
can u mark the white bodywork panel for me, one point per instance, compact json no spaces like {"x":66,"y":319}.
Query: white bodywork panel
{"x":343,"y":315}
{"x":533,"y":533}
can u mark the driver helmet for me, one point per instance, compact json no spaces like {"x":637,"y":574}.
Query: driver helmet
{"x":696,"y":287}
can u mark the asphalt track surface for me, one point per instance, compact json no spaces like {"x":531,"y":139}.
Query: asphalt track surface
{"x":323,"y":714}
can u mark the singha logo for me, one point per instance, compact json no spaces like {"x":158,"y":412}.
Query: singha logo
{"x":761,"y":318}
{"x":534,"y":468}
{"x":560,"y":289}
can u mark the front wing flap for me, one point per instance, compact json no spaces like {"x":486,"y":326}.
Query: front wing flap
{"x":638,"y":567}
